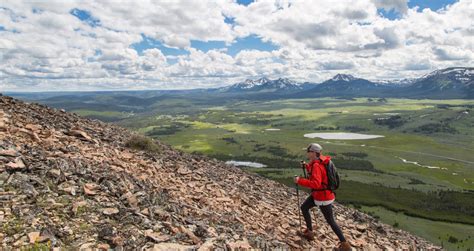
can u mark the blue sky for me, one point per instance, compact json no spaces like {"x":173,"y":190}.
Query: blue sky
{"x":181,"y":44}
{"x":432,"y":4}
{"x":422,"y":4}
{"x":83,"y":15}
{"x":253,"y":41}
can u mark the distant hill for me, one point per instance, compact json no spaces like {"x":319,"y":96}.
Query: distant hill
{"x":345,"y":85}
{"x":456,"y":82}
{"x":266,"y":85}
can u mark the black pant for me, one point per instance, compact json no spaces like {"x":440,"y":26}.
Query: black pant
{"x":328,"y":215}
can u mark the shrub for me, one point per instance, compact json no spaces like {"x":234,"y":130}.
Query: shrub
{"x":142,"y":143}
{"x":355,"y":129}
{"x":416,"y":182}
{"x":355,"y":154}
{"x":280,"y":152}
{"x":355,"y":164}
{"x":391,"y":122}
{"x":326,"y":128}
{"x":230,"y":140}
{"x":436,"y":128}
{"x":453,"y":239}
{"x":258,"y":147}
{"x":167,"y":129}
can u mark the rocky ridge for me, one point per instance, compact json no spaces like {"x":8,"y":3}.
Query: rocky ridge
{"x":71,"y":182}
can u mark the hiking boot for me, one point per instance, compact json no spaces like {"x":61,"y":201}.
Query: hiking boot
{"x":307,"y":234}
{"x":344,"y":246}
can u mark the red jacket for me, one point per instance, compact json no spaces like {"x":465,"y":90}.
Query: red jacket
{"x":317,"y":176}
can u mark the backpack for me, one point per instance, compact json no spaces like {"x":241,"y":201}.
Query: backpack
{"x":333,"y":178}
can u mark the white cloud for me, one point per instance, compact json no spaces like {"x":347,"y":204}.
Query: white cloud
{"x":397,"y":5}
{"x":452,"y":53}
{"x":44,"y":47}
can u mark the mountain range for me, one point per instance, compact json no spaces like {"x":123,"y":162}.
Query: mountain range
{"x":455,"y":82}
{"x":266,"y":85}
{"x":449,"y":83}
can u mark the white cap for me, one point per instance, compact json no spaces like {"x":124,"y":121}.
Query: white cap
{"x":313,"y":147}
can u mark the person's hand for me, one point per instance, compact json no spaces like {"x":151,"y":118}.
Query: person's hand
{"x":296,"y":179}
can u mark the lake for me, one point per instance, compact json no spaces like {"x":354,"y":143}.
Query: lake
{"x":342,"y":135}
{"x":245,"y":163}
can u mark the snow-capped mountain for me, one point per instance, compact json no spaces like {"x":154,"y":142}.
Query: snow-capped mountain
{"x":249,"y":83}
{"x":455,"y":82}
{"x":343,"y":85}
{"x":445,"y":83}
{"x":459,"y":74}
{"x":342,"y":77}
{"x":264,"y":85}
{"x":397,"y":82}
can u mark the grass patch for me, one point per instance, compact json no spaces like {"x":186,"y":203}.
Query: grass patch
{"x":440,"y":233}
{"x":13,"y":226}
{"x":107,"y":116}
{"x":448,"y":206}
{"x":355,"y":164}
{"x":37,"y":247}
{"x":355,"y":154}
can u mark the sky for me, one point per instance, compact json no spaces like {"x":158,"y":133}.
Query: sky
{"x":184,"y":44}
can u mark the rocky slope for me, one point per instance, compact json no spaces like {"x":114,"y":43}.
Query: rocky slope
{"x":72,"y":182}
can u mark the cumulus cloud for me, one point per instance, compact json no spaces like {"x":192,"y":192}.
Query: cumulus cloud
{"x":398,"y":5}
{"x":337,"y":65}
{"x":88,"y":45}
{"x":451,"y":53}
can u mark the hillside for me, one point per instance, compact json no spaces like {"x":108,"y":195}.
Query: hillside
{"x":73,"y":182}
{"x":449,"y":82}
{"x":343,"y":85}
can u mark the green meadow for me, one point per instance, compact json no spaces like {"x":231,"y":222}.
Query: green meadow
{"x":450,"y":236}
{"x":423,"y":167}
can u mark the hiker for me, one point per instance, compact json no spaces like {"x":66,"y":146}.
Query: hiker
{"x":320,"y":195}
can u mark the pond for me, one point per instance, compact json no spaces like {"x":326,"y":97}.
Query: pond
{"x":245,"y":163}
{"x":387,"y":113}
{"x":342,"y":135}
